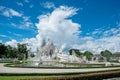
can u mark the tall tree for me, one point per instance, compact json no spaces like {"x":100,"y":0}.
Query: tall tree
{"x":107,"y":54}
{"x":116,"y":54}
{"x":9,"y":51}
{"x":22,"y":51}
{"x":77,"y":52}
{"x":88,"y":54}
{"x":2,"y":50}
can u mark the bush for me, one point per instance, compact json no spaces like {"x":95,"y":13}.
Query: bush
{"x":87,"y":76}
{"x":69,"y":76}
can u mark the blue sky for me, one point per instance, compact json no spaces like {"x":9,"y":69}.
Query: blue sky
{"x":93,"y":22}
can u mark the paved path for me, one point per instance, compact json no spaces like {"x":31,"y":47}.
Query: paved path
{"x":36,"y":70}
{"x":113,"y":78}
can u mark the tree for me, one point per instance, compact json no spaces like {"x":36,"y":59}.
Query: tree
{"x":9,"y":51}
{"x":6,"y":51}
{"x":14,"y":53}
{"x":32,"y":55}
{"x":77,"y":52}
{"x":22,"y":51}
{"x":116,"y":54}
{"x":2,"y":50}
{"x":107,"y":54}
{"x":88,"y":54}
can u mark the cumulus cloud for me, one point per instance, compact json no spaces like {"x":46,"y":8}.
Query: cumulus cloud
{"x":33,"y":43}
{"x":13,"y":43}
{"x":109,"y":41}
{"x":8,"y":12}
{"x":57,"y":27}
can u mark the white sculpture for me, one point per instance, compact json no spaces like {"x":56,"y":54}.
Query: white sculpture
{"x":49,"y":52}
{"x":107,"y":64}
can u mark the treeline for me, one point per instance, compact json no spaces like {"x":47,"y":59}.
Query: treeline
{"x":105,"y":53}
{"x":20,"y":52}
{"x":109,"y":55}
{"x":88,"y":54}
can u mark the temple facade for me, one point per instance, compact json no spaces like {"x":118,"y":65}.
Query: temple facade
{"x":49,"y":52}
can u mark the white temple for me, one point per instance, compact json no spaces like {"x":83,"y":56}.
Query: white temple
{"x":49,"y":52}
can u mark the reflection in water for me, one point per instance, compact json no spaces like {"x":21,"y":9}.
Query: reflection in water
{"x":58,"y":64}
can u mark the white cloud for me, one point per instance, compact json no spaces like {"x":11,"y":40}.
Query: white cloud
{"x":1,"y":8}
{"x":26,"y":18}
{"x":13,"y":24}
{"x":111,"y":32}
{"x":110,"y":40}
{"x":13,"y":43}
{"x":33,"y":43}
{"x":31,"y":6}
{"x":1,"y":35}
{"x":48,"y":5}
{"x":26,"y":23}
{"x":87,"y":38}
{"x":18,"y":35}
{"x":27,"y":1}
{"x":5,"y":36}
{"x":8,"y":12}
{"x":14,"y":13}
{"x":0,"y":41}
{"x":15,"y":34}
{"x":57,"y":27}
{"x":118,"y":24}
{"x":19,"y":3}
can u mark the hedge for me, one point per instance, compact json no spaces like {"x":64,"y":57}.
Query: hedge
{"x":69,"y":76}
{"x":19,"y":65}
{"x":87,"y":76}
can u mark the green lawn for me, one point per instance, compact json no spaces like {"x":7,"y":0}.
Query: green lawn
{"x":20,"y":77}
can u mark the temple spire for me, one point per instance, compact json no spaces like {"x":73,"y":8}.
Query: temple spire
{"x":43,"y":43}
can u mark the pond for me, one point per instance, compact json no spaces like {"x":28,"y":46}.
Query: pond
{"x":61,"y":65}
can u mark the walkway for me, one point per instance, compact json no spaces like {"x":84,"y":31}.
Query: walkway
{"x":36,"y":70}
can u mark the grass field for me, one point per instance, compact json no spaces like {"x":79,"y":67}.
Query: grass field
{"x":21,"y":77}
